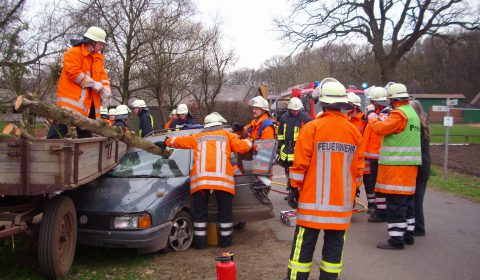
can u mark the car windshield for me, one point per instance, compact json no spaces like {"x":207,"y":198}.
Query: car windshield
{"x":140,"y":163}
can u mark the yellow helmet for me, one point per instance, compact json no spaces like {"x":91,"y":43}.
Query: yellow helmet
{"x":96,"y":34}
{"x":396,"y":90}
{"x":182,"y":109}
{"x":295,"y":104}
{"x":376,"y":93}
{"x":354,"y":99}
{"x":332,"y":91}
{"x":213,"y":119}
{"x":259,"y":102}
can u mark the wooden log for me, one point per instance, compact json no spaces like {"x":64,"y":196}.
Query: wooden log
{"x":12,"y":129}
{"x":68,"y":117}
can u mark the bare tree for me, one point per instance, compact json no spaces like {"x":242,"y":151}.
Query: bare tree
{"x":391,"y":27}
{"x":211,"y":68}
{"x":28,"y":42}
{"x":123,"y":20}
{"x":172,"y":41}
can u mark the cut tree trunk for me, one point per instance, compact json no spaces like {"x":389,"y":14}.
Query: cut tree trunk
{"x":68,"y":117}
{"x":12,"y":129}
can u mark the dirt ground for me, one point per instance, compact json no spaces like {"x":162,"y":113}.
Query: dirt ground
{"x":461,"y":158}
{"x":266,"y":259}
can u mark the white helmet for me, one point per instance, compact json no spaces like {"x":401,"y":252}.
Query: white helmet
{"x":396,"y":90}
{"x":354,"y":99}
{"x":213,"y":119}
{"x":122,"y":110}
{"x":96,"y":34}
{"x":376,"y":93}
{"x":103,"y":111}
{"x":174,"y":112}
{"x":182,"y":109}
{"x":111,"y":112}
{"x":259,"y":102}
{"x":295,"y":104}
{"x":332,"y":91}
{"x":139,"y":103}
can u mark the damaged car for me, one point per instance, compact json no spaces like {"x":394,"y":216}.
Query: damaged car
{"x":145,"y":203}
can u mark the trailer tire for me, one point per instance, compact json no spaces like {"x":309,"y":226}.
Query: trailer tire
{"x":57,"y":237}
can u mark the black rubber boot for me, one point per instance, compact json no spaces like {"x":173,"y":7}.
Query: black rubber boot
{"x":384,"y":244}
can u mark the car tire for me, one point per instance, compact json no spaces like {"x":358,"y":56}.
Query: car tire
{"x":181,"y":234}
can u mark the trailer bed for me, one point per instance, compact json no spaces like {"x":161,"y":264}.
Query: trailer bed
{"x":42,"y":166}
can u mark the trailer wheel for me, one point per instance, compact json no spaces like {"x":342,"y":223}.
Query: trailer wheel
{"x":57,"y":237}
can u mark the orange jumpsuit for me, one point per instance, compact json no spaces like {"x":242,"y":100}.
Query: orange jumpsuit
{"x":80,"y":69}
{"x":211,"y":167}
{"x":358,"y":122}
{"x":401,"y":175}
{"x":327,"y":166}
{"x":327,"y":169}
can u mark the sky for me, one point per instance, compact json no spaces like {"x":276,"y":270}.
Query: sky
{"x":247,"y":27}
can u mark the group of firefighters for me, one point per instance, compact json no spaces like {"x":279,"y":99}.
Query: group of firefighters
{"x":326,"y":160}
{"x":344,"y":148}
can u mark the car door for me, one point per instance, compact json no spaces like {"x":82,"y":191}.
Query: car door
{"x":251,"y":201}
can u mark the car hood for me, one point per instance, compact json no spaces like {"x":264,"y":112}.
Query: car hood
{"x":121,"y":195}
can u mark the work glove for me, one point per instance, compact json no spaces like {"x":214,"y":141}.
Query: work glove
{"x":372,"y":116}
{"x":369,"y":108}
{"x":105,"y":96}
{"x":237,"y":127}
{"x":162,"y":144}
{"x":293,"y":198}
{"x":97,"y":86}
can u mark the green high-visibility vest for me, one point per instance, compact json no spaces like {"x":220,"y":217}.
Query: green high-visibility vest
{"x":403,"y":148}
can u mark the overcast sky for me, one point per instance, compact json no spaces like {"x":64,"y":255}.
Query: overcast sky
{"x":247,"y":27}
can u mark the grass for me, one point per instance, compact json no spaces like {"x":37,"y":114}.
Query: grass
{"x":463,"y":185}
{"x":90,"y":262}
{"x":2,"y":125}
{"x":457,"y":129}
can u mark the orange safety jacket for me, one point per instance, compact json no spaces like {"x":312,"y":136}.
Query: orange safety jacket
{"x":327,"y":169}
{"x":394,"y":175}
{"x":80,"y":69}
{"x":258,"y":132}
{"x":358,"y":122}
{"x":373,"y":141}
{"x":211,"y":169}
{"x":167,"y":125}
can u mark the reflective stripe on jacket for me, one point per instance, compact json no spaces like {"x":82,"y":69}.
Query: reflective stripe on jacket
{"x":80,"y":69}
{"x":146,"y":123}
{"x":211,"y":168}
{"x":403,"y":148}
{"x":288,"y":133}
{"x":327,"y":169}
{"x":394,"y":179}
{"x":268,"y":132}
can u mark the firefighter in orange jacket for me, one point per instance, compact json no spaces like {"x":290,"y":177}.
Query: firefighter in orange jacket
{"x":84,"y":85}
{"x":400,"y":157}
{"x":173,"y":116}
{"x":326,"y":172}
{"x":261,"y":127}
{"x":373,"y":142}
{"x":355,"y":115}
{"x":212,"y":170}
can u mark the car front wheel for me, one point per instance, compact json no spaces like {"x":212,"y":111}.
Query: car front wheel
{"x":181,"y":234}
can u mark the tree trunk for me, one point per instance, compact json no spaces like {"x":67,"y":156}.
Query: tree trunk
{"x":67,"y":117}
{"x":388,"y":70}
